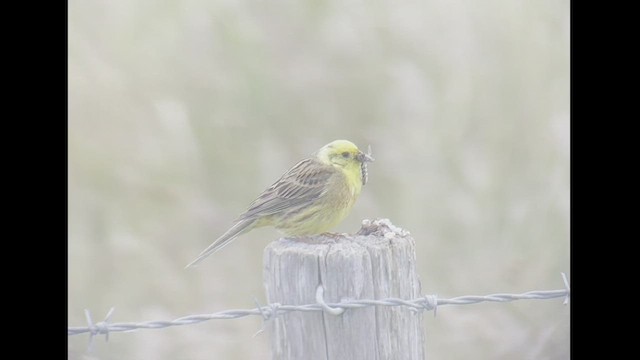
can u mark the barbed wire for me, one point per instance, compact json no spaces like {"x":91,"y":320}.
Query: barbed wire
{"x":270,"y":311}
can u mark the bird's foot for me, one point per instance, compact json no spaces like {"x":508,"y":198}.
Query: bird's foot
{"x":334,"y":236}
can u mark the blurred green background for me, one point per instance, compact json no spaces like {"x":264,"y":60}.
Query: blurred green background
{"x":181,"y":112}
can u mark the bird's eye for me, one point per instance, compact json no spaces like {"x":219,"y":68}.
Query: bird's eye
{"x":345,"y":154}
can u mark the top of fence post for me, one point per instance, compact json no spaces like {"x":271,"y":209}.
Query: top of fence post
{"x":376,"y":263}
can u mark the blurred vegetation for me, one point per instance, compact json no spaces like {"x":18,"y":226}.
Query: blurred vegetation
{"x":181,"y":112}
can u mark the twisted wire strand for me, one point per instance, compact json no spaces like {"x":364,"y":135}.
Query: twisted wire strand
{"x":270,"y":311}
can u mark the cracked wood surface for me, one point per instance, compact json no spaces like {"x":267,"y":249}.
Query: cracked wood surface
{"x":376,"y":263}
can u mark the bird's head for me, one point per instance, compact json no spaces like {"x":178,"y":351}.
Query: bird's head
{"x":346,"y":155}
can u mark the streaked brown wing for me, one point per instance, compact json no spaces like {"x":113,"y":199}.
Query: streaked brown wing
{"x":302,"y":184}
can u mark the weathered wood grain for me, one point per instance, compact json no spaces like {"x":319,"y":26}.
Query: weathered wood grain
{"x":376,"y":263}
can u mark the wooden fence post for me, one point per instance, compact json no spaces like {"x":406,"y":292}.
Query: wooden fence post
{"x":376,"y":263}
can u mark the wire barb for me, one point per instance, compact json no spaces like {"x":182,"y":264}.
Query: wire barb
{"x":101,"y":327}
{"x":268,"y":312}
{"x":566,"y":286}
{"x":430,"y":302}
{"x":265,"y":315}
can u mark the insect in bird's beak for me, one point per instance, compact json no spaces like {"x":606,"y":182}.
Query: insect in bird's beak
{"x":364,"y":158}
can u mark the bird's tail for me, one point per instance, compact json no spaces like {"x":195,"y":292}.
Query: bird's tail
{"x":240,"y":227}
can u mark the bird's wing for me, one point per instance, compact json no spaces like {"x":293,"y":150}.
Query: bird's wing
{"x":302,"y":184}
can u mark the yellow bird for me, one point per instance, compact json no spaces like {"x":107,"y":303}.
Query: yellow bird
{"x":311,"y":198}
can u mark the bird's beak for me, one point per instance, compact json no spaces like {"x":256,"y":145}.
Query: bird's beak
{"x":363,"y":158}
